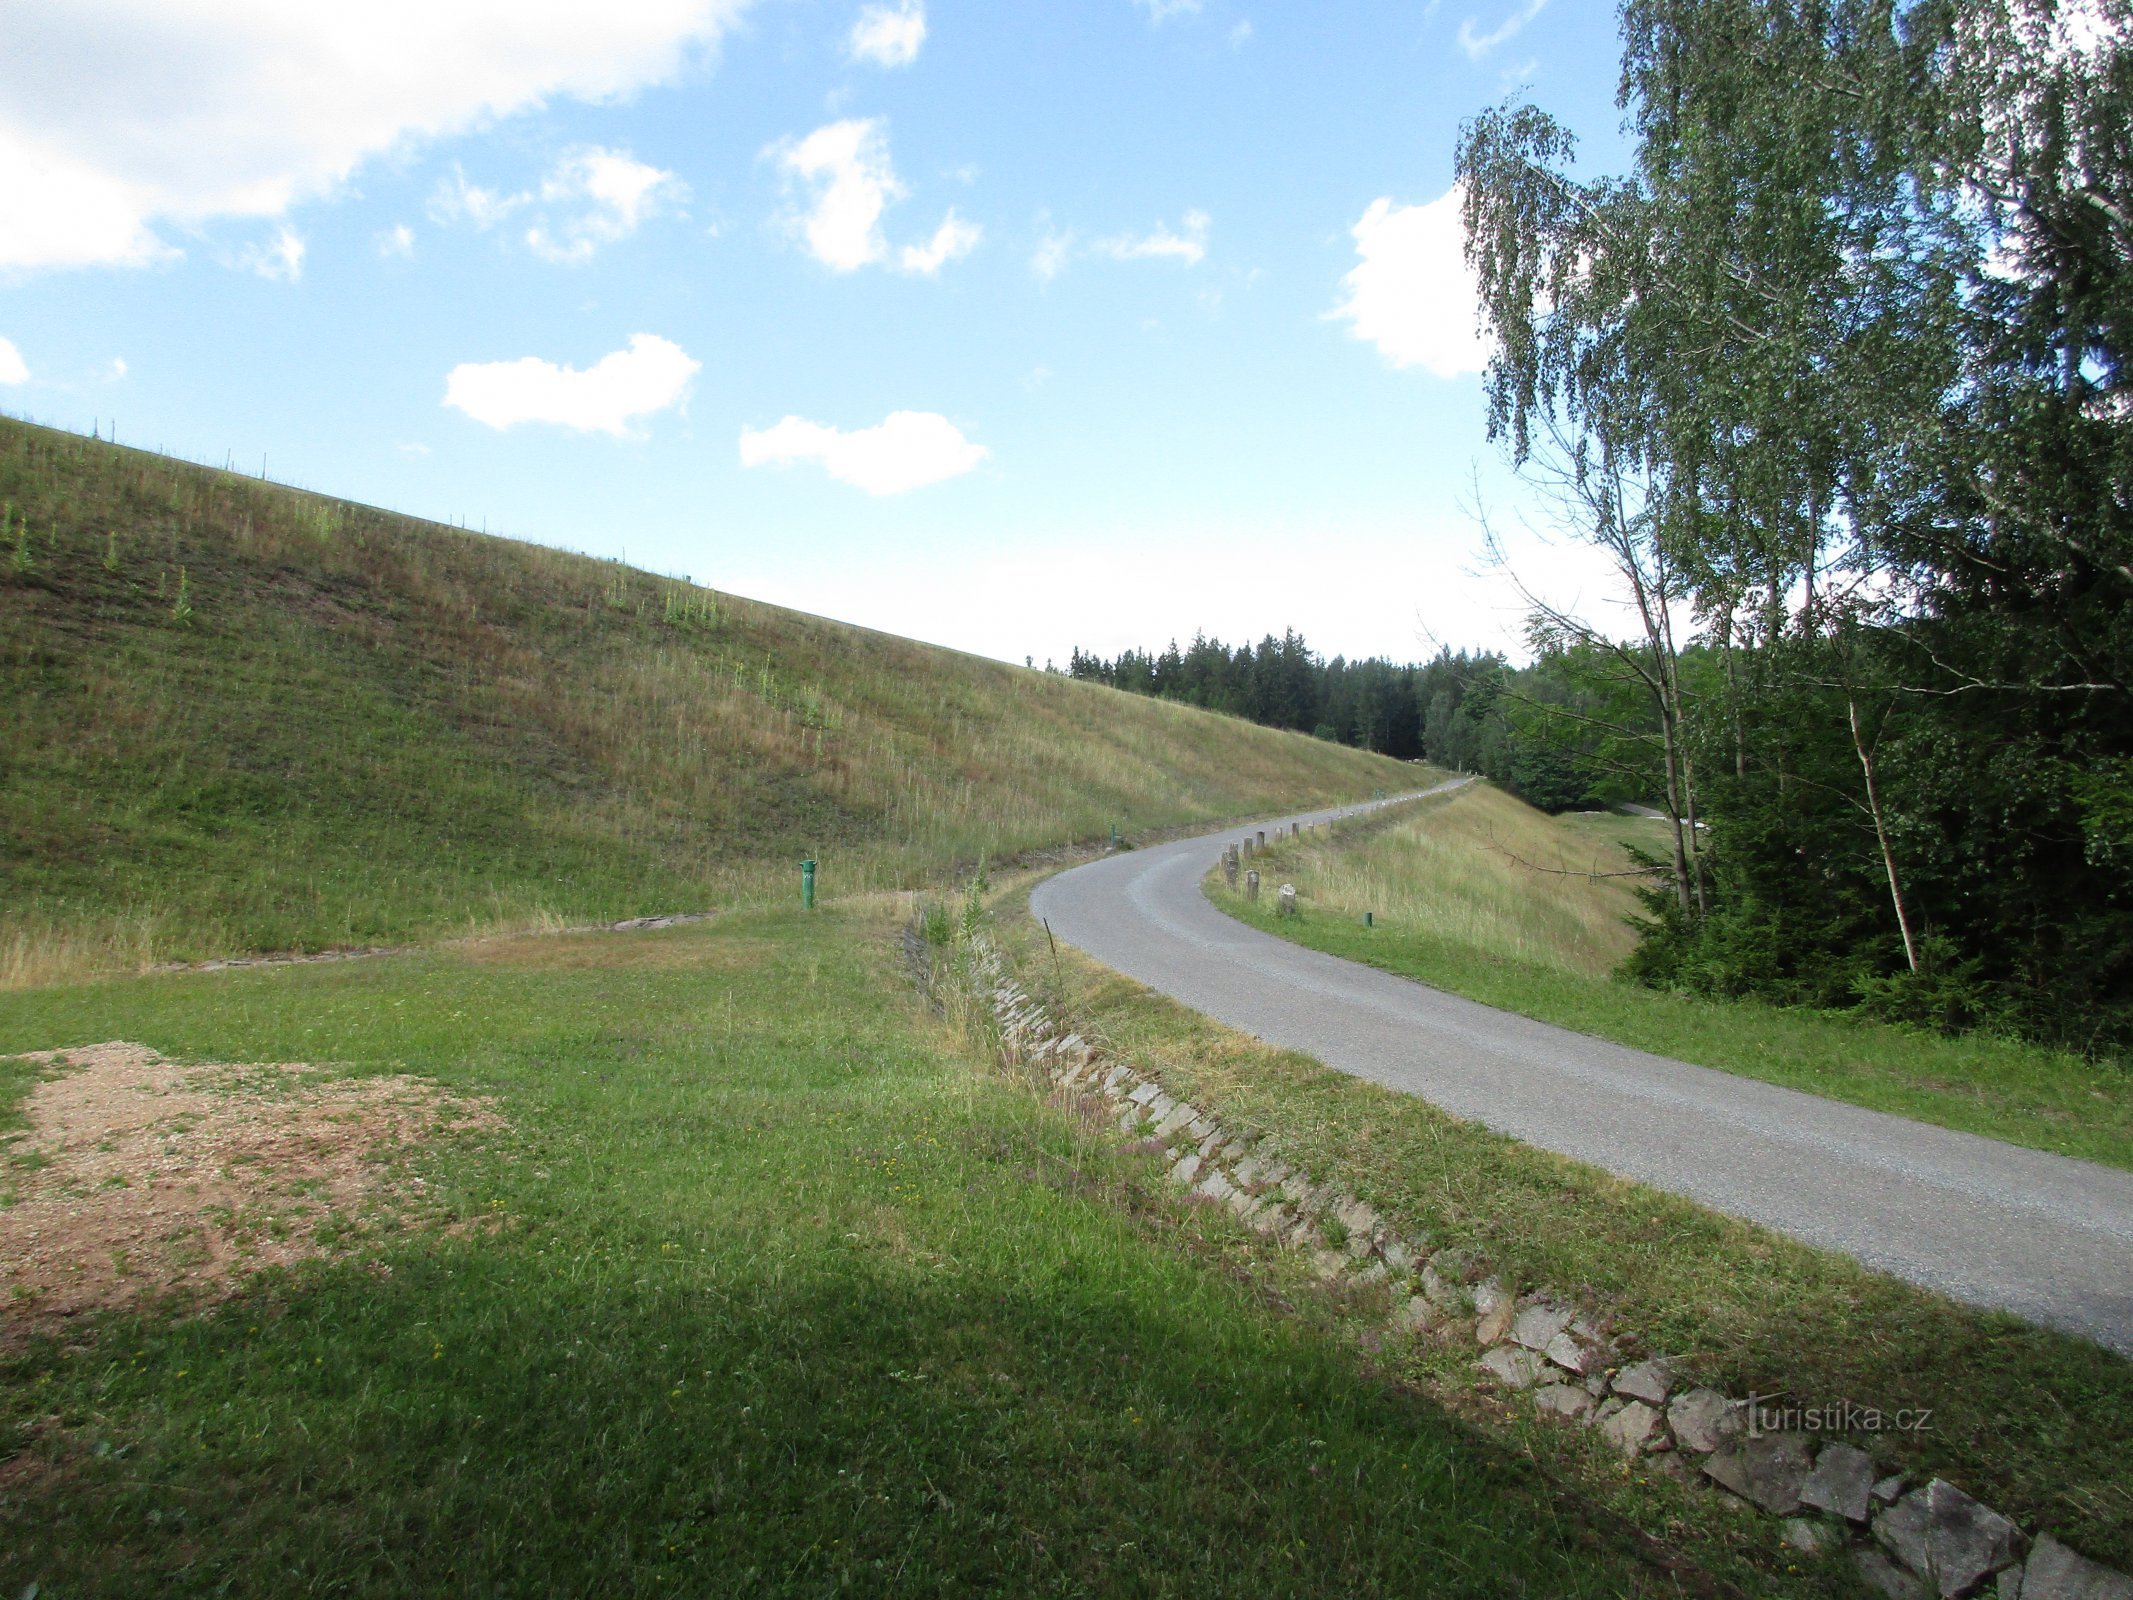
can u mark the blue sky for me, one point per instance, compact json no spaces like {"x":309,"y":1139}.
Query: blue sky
{"x":1010,"y":325}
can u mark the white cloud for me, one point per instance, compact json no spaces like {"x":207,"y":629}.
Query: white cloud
{"x":117,"y":116}
{"x":614,"y":192}
{"x":1240,"y":35}
{"x":649,"y":375}
{"x":398,"y":240}
{"x":1477,"y":44}
{"x":1520,"y":73}
{"x":13,"y":369}
{"x":118,"y":368}
{"x":58,"y":210}
{"x":592,"y":196}
{"x":457,"y":200}
{"x":1057,"y":247}
{"x":849,"y":181}
{"x":888,"y":36}
{"x":846,"y":166}
{"x":1053,"y":251}
{"x":280,"y":259}
{"x":1160,"y":10}
{"x":1412,"y":293}
{"x":951,"y":241}
{"x":1190,"y":246}
{"x":908,"y":450}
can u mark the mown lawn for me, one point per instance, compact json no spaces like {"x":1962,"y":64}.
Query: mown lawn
{"x":767,"y":1288}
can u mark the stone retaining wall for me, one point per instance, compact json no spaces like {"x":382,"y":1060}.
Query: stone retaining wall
{"x":1910,"y":1541}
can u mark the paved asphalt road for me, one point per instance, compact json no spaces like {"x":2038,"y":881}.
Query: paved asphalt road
{"x":2048,"y":1238}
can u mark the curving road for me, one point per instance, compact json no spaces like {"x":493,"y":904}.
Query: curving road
{"x":2043,"y":1236}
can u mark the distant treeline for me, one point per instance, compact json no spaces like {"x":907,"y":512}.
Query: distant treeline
{"x":1471,"y":711}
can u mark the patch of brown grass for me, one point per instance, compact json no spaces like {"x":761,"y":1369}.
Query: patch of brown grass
{"x":1482,"y":869}
{"x":141,"y":1176}
{"x":600,"y":951}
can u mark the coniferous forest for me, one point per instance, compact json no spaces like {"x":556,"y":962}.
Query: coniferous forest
{"x":1468,"y":710}
{"x":1835,"y":374}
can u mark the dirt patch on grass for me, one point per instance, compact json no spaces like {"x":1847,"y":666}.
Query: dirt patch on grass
{"x":139,"y":1176}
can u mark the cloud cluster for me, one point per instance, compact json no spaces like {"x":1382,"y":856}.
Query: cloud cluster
{"x":1411,"y":293}
{"x":648,"y":375}
{"x":845,"y":166}
{"x":951,"y":241}
{"x":611,"y":194}
{"x":13,"y":369}
{"x":279,"y":260}
{"x":842,"y":180}
{"x":907,"y":450}
{"x":1160,"y":244}
{"x":888,"y":36}
{"x":1477,"y":44}
{"x":119,"y":117}
{"x":591,"y":197}
{"x":1054,"y":250}
{"x":1187,"y":244}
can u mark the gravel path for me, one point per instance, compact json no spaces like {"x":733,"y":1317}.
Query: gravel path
{"x":2043,"y":1236}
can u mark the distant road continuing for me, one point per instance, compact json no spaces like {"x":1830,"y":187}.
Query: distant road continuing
{"x":2043,"y":1236}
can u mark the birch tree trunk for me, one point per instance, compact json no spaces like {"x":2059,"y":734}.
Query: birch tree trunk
{"x":1881,"y":830}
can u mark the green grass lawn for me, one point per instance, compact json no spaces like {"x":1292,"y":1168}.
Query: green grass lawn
{"x":1451,"y":910}
{"x":766,"y":1289}
{"x":2032,"y":1422}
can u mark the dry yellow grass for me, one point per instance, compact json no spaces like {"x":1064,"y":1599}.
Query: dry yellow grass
{"x":362,"y":729}
{"x":1483,"y":870}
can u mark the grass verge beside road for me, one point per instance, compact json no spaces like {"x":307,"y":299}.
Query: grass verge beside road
{"x":1454,"y":909}
{"x":2031,"y":1421}
{"x":769,"y":1288}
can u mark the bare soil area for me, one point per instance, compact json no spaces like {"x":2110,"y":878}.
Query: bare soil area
{"x":140,"y":1176}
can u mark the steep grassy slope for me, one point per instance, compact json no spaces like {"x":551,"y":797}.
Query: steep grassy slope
{"x":238,"y":716}
{"x":1484,"y":871}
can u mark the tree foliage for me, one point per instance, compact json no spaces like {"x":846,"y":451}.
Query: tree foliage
{"x":1561,"y":733}
{"x":1835,"y":373}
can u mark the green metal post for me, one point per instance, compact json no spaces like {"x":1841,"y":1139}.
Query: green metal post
{"x":1114,"y":836}
{"x":1366,"y":920}
{"x":807,"y":886}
